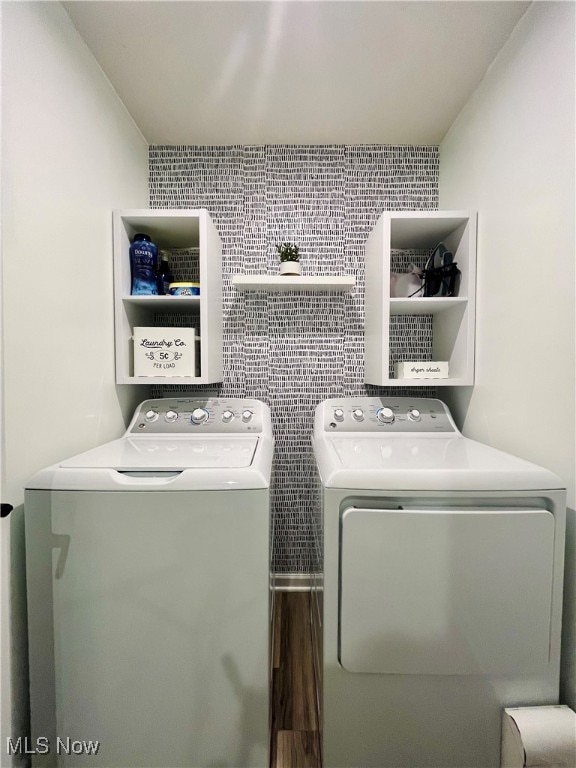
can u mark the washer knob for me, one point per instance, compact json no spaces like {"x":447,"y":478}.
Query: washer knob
{"x":338,"y":414}
{"x":171,"y":416}
{"x":358,"y":414}
{"x":414,"y":414}
{"x":247,"y":415}
{"x":227,"y":416}
{"x":199,"y":416}
{"x":151,"y":415}
{"x":385,"y":415}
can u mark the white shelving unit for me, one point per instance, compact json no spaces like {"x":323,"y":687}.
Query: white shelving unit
{"x":293,"y":283}
{"x":453,"y":324}
{"x":169,"y":230}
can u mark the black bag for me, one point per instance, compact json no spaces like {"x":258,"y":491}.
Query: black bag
{"x":441,"y":275}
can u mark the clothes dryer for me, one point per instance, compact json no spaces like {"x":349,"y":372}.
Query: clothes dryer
{"x":148,"y":592}
{"x":443,"y":562}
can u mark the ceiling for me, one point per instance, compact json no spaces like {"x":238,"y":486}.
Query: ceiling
{"x":294,"y":71}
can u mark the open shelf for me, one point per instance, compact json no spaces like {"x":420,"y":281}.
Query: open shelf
{"x":451,"y":382}
{"x":192,"y":234}
{"x":293,"y":283}
{"x":168,"y":229}
{"x":424,"y":305}
{"x":451,"y":320}
{"x":165,"y":303}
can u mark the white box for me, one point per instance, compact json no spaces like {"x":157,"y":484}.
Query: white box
{"x":430,"y":369}
{"x":164,"y":351}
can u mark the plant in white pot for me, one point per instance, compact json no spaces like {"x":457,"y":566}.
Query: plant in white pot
{"x":289,"y":258}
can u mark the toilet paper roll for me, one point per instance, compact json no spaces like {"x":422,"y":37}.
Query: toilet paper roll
{"x":538,"y":737}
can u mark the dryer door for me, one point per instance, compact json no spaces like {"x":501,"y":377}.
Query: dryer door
{"x":445,"y":591}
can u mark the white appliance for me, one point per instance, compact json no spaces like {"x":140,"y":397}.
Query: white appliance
{"x":443,"y":562}
{"x":148,"y":592}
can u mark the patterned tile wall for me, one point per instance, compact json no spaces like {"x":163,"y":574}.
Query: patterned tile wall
{"x":293,"y":350}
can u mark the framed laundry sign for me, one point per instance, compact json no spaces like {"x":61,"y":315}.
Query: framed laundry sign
{"x":164,"y":351}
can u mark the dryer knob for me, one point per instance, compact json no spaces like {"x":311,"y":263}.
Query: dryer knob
{"x":338,"y":414}
{"x":227,"y":417}
{"x":199,"y":416}
{"x":358,"y":414}
{"x":171,"y":416}
{"x":247,"y":415}
{"x":385,"y":415}
{"x":151,"y":415}
{"x":414,"y":414}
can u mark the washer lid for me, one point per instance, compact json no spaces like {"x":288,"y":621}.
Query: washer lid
{"x":167,"y":453}
{"x":424,"y":463}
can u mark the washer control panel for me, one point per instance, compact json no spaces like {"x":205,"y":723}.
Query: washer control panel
{"x":386,"y":414}
{"x":193,"y":415}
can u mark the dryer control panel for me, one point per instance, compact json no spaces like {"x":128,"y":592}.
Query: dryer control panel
{"x":197,"y":415}
{"x":403,"y":415}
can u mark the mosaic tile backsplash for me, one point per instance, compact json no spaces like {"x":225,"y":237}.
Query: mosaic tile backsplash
{"x":292,"y":349}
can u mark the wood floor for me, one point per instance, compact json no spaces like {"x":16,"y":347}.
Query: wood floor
{"x":295,"y":736}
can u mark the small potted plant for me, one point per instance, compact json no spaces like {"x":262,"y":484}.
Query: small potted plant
{"x":289,"y":258}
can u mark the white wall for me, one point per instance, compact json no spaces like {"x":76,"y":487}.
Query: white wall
{"x":70,"y":154}
{"x":510,"y":155}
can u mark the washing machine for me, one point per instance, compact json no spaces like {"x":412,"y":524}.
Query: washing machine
{"x":148,"y":592}
{"x":443,"y":563}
